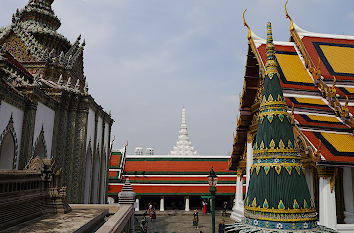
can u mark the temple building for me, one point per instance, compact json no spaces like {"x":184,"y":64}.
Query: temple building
{"x":174,"y":181}
{"x":316,"y":78}
{"x":45,"y":107}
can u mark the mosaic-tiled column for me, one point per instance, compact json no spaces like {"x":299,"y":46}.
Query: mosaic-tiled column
{"x":79,"y":152}
{"x":70,"y":138}
{"x":29,"y":119}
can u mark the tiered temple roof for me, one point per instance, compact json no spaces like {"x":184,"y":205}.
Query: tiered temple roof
{"x":179,"y":173}
{"x":169,"y":175}
{"x":278,"y":197}
{"x":317,"y":78}
{"x":32,"y":39}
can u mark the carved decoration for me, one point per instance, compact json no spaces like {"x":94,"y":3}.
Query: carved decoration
{"x":40,"y":140}
{"x":18,"y":49}
{"x":50,"y":175}
{"x":309,"y":154}
{"x":260,"y":88}
{"x":10,"y":130}
{"x":328,"y":172}
{"x":240,"y":172}
{"x":330,"y":94}
{"x":250,"y":137}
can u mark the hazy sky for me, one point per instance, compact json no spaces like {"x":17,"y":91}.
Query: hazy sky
{"x":145,"y":59}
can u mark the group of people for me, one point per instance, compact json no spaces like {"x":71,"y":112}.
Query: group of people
{"x":206,"y":207}
{"x":152,"y":215}
{"x":196,"y":222}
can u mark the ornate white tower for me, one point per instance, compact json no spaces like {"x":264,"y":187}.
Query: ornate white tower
{"x":183,"y":145}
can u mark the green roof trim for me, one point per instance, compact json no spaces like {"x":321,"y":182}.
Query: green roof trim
{"x":177,"y":159}
{"x":116,"y":153}
{"x":176,"y":173}
{"x":174,"y":182}
{"x":120,"y":160}
{"x":178,"y":194}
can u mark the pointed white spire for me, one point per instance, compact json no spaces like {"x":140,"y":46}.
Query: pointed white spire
{"x":183,"y":145}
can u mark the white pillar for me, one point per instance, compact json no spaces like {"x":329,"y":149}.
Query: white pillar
{"x":162,"y":203}
{"x":238,"y":208}
{"x":348,"y":194}
{"x":249,"y":161}
{"x":327,"y":208}
{"x":137,"y":200}
{"x":309,"y":181}
{"x":186,"y":207}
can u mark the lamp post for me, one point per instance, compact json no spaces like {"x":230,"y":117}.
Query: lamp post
{"x":212,"y":180}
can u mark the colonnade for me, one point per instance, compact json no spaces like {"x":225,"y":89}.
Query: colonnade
{"x":162,"y":203}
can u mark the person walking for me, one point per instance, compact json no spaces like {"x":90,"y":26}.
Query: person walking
{"x":224,"y":208}
{"x":195,"y":219}
{"x":222,"y":226}
{"x":204,"y":207}
{"x":150,"y":210}
{"x":153,"y":215}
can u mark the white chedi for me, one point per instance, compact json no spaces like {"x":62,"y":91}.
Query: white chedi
{"x":183,"y":146}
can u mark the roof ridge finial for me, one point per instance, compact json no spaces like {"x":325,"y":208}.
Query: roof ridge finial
{"x":246,"y":25}
{"x":288,"y":16}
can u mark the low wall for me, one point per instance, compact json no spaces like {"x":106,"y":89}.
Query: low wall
{"x":345,"y":228}
{"x":112,"y":208}
{"x":22,"y":197}
{"x":120,"y":221}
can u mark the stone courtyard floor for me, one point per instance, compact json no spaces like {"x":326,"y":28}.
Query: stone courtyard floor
{"x":73,"y":221}
{"x":182,"y":222}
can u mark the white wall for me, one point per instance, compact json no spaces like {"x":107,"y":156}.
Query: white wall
{"x":104,"y":162}
{"x":106,"y":137}
{"x":90,"y":128}
{"x":98,"y":174}
{"x":44,"y":117}
{"x":99,"y":133}
{"x":309,"y":181}
{"x":17,"y":114}
{"x":88,"y":176}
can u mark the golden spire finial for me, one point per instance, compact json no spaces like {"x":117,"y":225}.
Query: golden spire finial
{"x":246,"y":25}
{"x":288,"y":16}
{"x":271,"y":65}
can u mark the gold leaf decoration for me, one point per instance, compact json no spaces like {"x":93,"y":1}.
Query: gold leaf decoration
{"x":278,"y":169}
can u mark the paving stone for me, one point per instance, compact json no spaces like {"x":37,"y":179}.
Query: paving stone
{"x":182,"y":222}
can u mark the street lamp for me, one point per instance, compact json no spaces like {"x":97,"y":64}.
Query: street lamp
{"x":212,"y":180}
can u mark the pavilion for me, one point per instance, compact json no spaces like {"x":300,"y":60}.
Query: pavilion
{"x":317,"y":79}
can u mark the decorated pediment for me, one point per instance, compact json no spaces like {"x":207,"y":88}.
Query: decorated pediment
{"x":18,"y":49}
